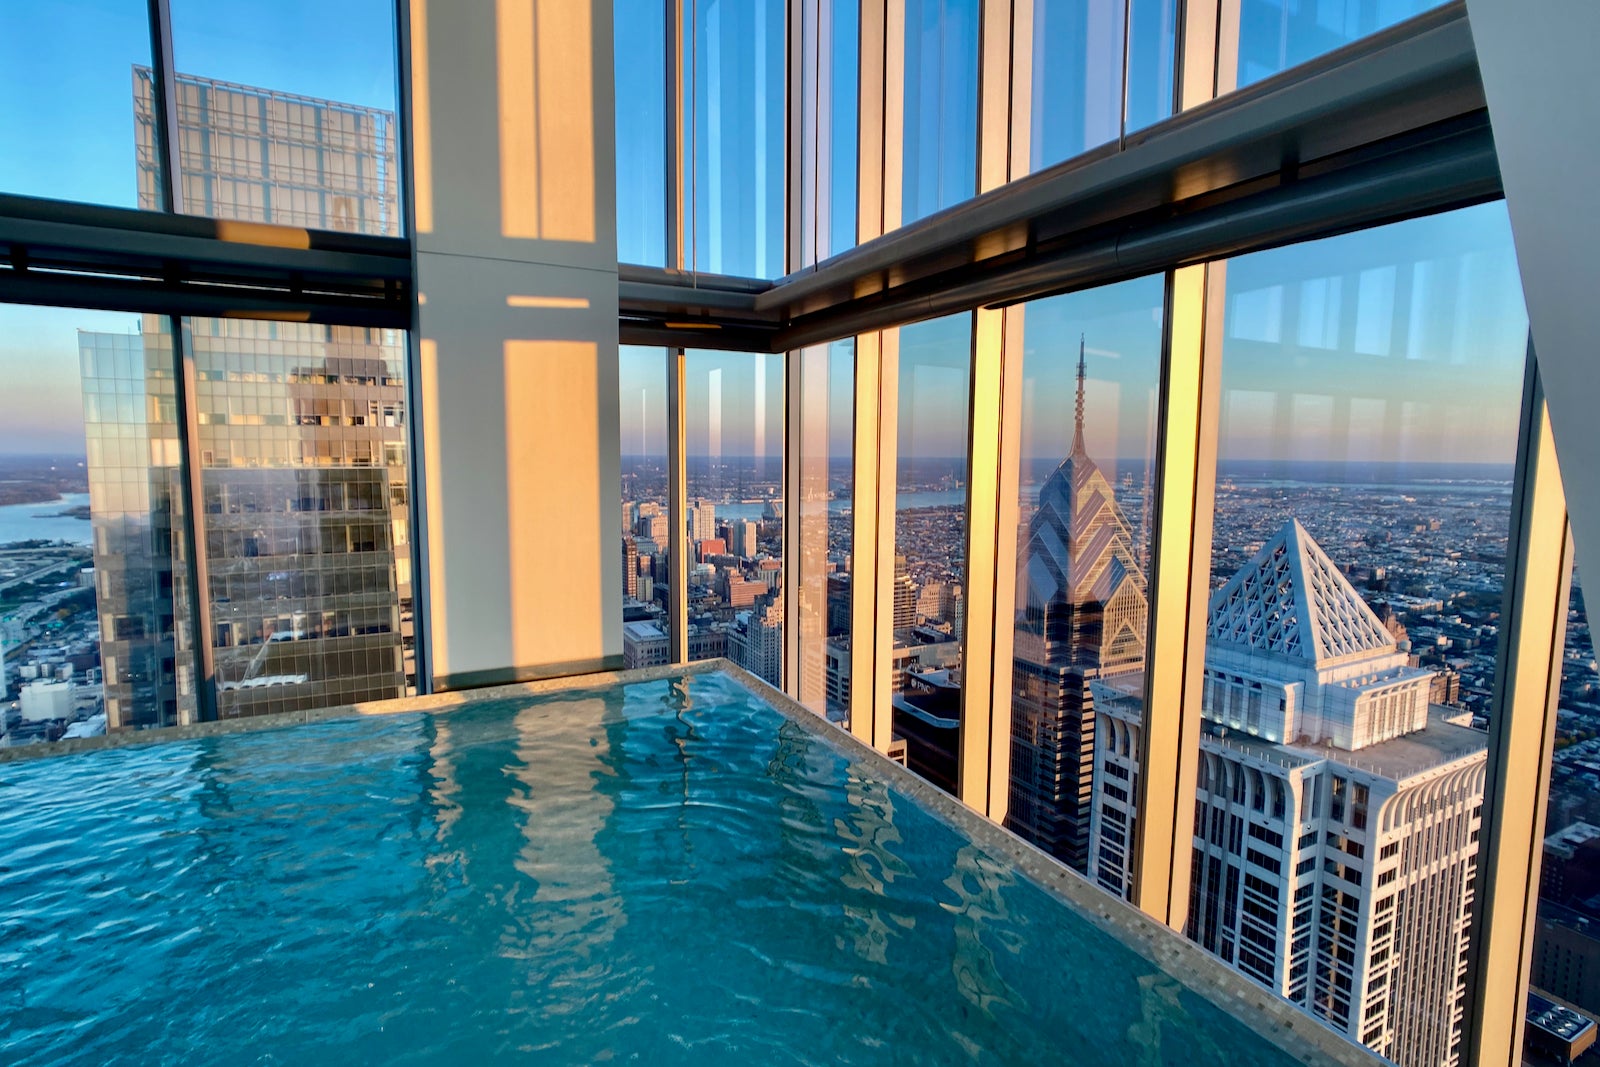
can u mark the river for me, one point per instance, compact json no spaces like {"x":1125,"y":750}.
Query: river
{"x":27,"y":522}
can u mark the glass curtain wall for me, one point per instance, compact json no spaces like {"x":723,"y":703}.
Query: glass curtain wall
{"x":1099,"y":67}
{"x":641,"y":43}
{"x":1091,"y":376}
{"x":305,"y":480}
{"x":733,"y":404}
{"x":940,"y":131}
{"x":735,"y":70}
{"x":646,"y":508}
{"x":1275,"y":35}
{"x":930,"y":543}
{"x":1567,"y":934}
{"x":1371,"y":400}
{"x":286,"y":113}
{"x":76,"y":140}
{"x":824,"y":497}
{"x":94,"y":632}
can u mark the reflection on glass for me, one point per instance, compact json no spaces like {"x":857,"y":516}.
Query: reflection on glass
{"x":734,"y":66}
{"x":92,"y":630}
{"x":305,"y":478}
{"x":843,"y":53}
{"x":1152,"y":61}
{"x":1370,"y":400}
{"x":286,"y":113}
{"x":1275,"y":35}
{"x":643,"y":405}
{"x":930,"y":544}
{"x":1091,"y":371}
{"x":72,"y":62}
{"x":1568,"y":925}
{"x":827,"y":480}
{"x":641,"y":57}
{"x":733,"y":405}
{"x":941,"y":105}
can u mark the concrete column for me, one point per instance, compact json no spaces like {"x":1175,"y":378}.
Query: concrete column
{"x":513,"y":141}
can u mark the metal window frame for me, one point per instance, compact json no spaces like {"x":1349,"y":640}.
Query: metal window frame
{"x":1522,"y":728}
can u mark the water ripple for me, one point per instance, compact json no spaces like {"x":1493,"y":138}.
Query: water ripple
{"x":669,"y":873}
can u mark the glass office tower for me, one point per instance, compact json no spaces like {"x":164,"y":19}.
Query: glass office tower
{"x":302,"y":439}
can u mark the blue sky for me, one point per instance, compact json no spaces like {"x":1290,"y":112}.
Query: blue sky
{"x":1414,"y":331}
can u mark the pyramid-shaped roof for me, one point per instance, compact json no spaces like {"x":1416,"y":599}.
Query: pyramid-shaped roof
{"x":1292,"y":600}
{"x":1079,"y":547}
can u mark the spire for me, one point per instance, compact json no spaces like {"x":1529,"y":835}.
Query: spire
{"x":1077,"y":426}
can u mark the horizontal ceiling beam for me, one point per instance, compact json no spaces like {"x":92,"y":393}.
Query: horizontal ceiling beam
{"x":1389,"y":127}
{"x":84,"y":255}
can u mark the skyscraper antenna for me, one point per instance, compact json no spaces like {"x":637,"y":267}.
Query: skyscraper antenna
{"x":1077,"y":429}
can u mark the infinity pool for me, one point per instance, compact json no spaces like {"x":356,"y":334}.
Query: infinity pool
{"x":663,"y":872}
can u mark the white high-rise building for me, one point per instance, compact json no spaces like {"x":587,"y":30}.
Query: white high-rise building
{"x":1336,"y":819}
{"x":702,"y":521}
{"x":744,"y":538}
{"x":756,"y":642}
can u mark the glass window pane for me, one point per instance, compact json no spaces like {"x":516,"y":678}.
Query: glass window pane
{"x":1091,"y":374}
{"x":645,"y":508}
{"x":1371,"y":386}
{"x":1077,"y":77}
{"x":305,"y":475}
{"x":93,"y":631}
{"x":641,"y":71}
{"x":77,"y":140}
{"x":1152,"y":61}
{"x":1569,"y":897}
{"x":930,"y":544}
{"x":842,"y":51}
{"x":735,"y":162}
{"x":286,"y":112}
{"x":941,"y":105}
{"x":734,"y":425}
{"x":1275,"y":35}
{"x":827,"y":481}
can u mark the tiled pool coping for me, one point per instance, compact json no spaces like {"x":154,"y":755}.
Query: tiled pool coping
{"x":1279,"y":1022}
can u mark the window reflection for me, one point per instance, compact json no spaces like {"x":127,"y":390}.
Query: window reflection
{"x":827,"y":482}
{"x":941,"y":105}
{"x":1370,"y":405}
{"x":1567,"y":933}
{"x":73,"y":140}
{"x":734,"y":65}
{"x":1091,"y":369}
{"x":930,"y":531}
{"x":93,"y":627}
{"x":280,"y":125}
{"x":305,"y":479}
{"x":1275,"y":35}
{"x":641,"y":114}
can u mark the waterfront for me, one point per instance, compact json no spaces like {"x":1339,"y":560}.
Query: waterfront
{"x":29,"y":522}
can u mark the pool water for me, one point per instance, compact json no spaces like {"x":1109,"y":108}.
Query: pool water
{"x":666,"y":872}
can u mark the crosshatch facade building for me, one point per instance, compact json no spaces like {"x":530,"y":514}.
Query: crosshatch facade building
{"x":1165,"y":427}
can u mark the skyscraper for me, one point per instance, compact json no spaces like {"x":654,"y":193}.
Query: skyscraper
{"x":630,"y":567}
{"x":1337,"y":819}
{"x":302,"y":439}
{"x":905,"y":596}
{"x":756,"y":642}
{"x":1081,"y":615}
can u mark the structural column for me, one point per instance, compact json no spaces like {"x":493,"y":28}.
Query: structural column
{"x":511,"y":139}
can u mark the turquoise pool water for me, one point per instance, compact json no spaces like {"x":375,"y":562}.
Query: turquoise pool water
{"x":660,"y":873}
